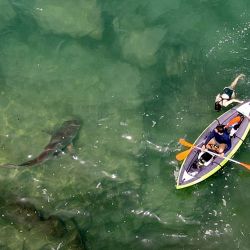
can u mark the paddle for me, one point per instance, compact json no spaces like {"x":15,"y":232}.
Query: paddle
{"x":185,"y":143}
{"x":183,"y":155}
{"x":188,"y":144}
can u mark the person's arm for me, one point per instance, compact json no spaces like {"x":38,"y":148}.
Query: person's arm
{"x":229,"y":145}
{"x":226,"y":103}
{"x":210,"y":136}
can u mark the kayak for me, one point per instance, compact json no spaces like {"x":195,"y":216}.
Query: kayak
{"x":198,"y":165}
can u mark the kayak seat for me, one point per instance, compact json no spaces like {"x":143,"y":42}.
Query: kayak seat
{"x":204,"y":158}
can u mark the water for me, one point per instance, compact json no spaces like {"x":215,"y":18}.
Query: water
{"x":140,"y":75}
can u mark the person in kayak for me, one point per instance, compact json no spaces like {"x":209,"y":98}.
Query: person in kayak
{"x":218,"y":141}
{"x":228,"y":95}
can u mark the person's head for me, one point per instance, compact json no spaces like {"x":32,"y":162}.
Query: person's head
{"x":217,"y":106}
{"x":220,"y":129}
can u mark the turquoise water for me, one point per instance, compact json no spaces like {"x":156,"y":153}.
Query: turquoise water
{"x":139,"y":74}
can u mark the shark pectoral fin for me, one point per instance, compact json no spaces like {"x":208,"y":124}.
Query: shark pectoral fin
{"x":70,"y":148}
{"x":71,"y":151}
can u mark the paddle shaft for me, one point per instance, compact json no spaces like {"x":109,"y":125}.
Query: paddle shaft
{"x":212,"y":153}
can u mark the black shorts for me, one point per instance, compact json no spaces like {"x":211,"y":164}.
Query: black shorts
{"x":228,"y":91}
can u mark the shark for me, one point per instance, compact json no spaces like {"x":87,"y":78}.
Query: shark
{"x":60,"y":140}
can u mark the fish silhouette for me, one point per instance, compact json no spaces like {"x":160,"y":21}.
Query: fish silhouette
{"x":59,"y":141}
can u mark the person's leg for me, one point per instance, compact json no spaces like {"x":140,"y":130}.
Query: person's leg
{"x":211,"y":143}
{"x":235,"y":81}
{"x":221,"y":148}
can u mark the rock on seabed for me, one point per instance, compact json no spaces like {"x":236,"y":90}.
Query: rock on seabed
{"x":141,"y":46}
{"x":76,"y":18}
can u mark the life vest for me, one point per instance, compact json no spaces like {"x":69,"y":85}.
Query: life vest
{"x":235,"y":121}
{"x":233,"y":125}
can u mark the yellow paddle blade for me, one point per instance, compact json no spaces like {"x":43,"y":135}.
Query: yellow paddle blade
{"x":183,"y":155}
{"x":185,"y":143}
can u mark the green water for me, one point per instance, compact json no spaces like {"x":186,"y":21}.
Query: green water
{"x":139,"y":74}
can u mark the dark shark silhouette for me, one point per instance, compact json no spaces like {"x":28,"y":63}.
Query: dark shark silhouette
{"x":59,"y":141}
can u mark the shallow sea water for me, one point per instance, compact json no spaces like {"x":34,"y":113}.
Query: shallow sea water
{"x":139,"y":75}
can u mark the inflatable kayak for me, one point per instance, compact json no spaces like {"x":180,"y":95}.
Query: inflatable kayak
{"x":200,"y":165}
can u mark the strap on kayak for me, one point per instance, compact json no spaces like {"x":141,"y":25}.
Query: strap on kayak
{"x":240,"y":138}
{"x":218,"y":121}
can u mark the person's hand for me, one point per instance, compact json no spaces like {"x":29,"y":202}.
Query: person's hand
{"x":222,"y":154}
{"x":203,"y":148}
